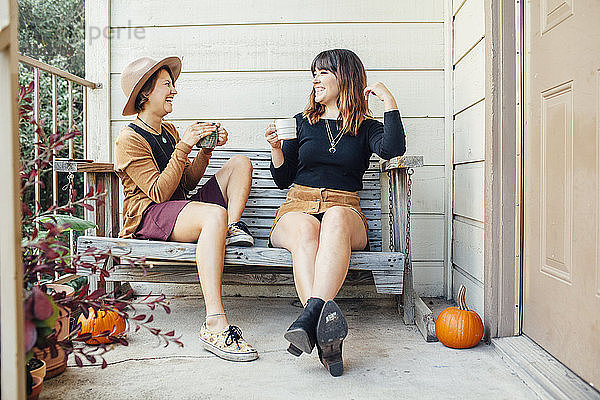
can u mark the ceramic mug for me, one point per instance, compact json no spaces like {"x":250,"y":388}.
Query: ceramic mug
{"x":286,"y":128}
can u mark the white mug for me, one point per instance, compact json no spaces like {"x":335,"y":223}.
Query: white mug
{"x":286,"y":128}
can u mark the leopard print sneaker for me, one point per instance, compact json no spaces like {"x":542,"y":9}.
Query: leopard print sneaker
{"x":228,"y":344}
{"x":238,"y":234}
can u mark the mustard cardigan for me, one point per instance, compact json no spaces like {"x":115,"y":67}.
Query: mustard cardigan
{"x":143,"y":183}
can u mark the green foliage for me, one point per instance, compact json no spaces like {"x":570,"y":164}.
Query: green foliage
{"x":77,"y":224}
{"x":53,"y":31}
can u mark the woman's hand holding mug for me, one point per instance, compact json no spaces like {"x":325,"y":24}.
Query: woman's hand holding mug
{"x":271,"y":135}
{"x":197,"y":131}
{"x":223,"y":135}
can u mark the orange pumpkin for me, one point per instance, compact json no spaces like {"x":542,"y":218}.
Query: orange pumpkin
{"x":459,"y":327}
{"x":104,"y":320}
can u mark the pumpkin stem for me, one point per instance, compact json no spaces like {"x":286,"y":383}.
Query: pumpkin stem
{"x":462,"y":302}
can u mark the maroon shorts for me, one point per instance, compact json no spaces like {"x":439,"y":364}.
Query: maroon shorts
{"x":158,"y":220}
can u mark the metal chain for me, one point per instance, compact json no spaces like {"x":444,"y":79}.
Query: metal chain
{"x":408,"y":205}
{"x":409,"y":174}
{"x":391,"y":211}
{"x":69,"y":187}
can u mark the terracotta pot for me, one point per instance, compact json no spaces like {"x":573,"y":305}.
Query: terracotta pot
{"x":40,"y":371}
{"x":36,"y":389}
{"x":57,"y":365}
{"x":62,"y":323}
{"x":54,"y":365}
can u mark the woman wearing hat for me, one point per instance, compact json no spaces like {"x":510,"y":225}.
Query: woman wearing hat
{"x":152,"y":161}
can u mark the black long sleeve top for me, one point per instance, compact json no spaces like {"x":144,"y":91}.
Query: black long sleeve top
{"x":308,"y":162}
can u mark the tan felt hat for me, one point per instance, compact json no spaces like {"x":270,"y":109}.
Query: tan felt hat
{"x":137,"y":73}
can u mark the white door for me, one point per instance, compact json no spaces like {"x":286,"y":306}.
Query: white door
{"x":561,"y":310}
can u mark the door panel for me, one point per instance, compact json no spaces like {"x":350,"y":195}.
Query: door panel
{"x":561,"y":309}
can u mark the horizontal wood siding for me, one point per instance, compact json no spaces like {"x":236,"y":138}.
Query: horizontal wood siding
{"x":469,"y":28}
{"x":286,"y":47}
{"x":227,"y":12}
{"x":468,"y":247}
{"x":469,"y":78}
{"x":468,"y":190}
{"x":469,"y":141}
{"x":247,"y":63}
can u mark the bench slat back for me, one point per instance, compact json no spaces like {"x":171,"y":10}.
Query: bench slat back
{"x":265,"y":197}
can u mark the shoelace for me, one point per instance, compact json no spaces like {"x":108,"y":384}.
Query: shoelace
{"x":241,"y":226}
{"x":233,"y":334}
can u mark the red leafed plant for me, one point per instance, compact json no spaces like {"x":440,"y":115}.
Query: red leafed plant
{"x":45,"y":254}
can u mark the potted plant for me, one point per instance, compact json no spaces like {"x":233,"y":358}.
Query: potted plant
{"x":55,"y":361}
{"x":34,"y":386}
{"x":36,"y":367}
{"x":46,"y":255}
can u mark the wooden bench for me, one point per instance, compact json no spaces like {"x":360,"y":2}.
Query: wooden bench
{"x":174,"y":262}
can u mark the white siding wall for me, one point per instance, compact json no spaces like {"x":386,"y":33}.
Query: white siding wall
{"x":469,"y":135}
{"x":246,"y":63}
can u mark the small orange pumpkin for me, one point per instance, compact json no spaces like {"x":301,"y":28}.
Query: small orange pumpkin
{"x":104,"y":320}
{"x":459,"y":327}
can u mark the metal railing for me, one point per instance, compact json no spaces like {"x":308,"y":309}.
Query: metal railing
{"x":71,"y":80}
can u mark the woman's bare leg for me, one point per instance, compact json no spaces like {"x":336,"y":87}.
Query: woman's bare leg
{"x":235,"y":179}
{"x":299,"y":233}
{"x":342,"y":230}
{"x":206,"y":224}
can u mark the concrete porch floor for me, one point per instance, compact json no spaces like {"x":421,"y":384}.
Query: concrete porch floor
{"x":383,"y":358}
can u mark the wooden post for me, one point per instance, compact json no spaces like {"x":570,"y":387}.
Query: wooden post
{"x":414,"y":310}
{"x":97,"y":69}
{"x":11,"y":271}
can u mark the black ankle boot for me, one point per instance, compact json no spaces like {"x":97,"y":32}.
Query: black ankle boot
{"x":302,"y":333}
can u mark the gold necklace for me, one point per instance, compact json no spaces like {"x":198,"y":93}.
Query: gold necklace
{"x":333,"y":141}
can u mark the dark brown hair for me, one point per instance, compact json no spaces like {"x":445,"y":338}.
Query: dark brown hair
{"x":352,"y":80}
{"x":142,"y":96}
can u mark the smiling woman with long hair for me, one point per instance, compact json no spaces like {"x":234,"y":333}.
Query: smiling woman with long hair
{"x":321,"y":222}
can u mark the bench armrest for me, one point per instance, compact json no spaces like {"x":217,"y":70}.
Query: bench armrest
{"x":401,"y":162}
{"x":106,"y":215}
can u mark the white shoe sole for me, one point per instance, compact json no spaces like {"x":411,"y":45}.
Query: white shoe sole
{"x":227,"y":355}
{"x":244,"y":241}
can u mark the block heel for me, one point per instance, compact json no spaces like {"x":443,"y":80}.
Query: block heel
{"x":301,"y":334}
{"x":293,"y":350}
{"x":331,"y":358}
{"x":300,"y":341}
{"x":332,"y":329}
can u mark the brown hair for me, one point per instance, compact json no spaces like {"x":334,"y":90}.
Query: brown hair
{"x":352,"y":80}
{"x":142,"y":96}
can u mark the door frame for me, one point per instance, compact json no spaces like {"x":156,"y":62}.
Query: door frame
{"x":12,"y":357}
{"x":503,"y":139}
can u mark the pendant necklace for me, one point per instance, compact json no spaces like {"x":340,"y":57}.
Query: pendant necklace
{"x":164,"y":140}
{"x":333,"y":141}
{"x":159,"y":134}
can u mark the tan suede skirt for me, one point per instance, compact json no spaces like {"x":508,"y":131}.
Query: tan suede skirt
{"x":316,"y":201}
